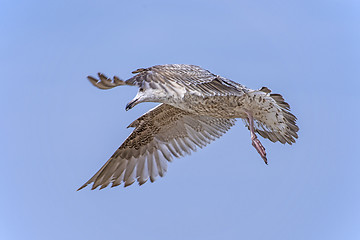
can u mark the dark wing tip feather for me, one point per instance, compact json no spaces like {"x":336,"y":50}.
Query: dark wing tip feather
{"x":103,"y":82}
{"x":265,"y":90}
{"x":83,"y":186}
{"x":139,"y":70}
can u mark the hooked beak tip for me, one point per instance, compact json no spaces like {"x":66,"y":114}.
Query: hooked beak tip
{"x":130,"y":105}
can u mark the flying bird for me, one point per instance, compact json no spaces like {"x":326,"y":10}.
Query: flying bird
{"x":196,"y":107}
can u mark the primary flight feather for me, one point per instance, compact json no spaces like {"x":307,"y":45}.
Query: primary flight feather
{"x":196,"y":108}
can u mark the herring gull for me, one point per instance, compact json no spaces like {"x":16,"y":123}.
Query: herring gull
{"x":196,"y":107}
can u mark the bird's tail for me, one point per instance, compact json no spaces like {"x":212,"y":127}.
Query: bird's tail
{"x":273,"y":119}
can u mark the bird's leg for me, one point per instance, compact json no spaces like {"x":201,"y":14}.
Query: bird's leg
{"x":255,"y":141}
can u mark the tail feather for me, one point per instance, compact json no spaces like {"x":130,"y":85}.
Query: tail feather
{"x":273,"y":119}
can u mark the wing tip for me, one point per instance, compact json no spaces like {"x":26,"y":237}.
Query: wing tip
{"x":83,"y":186}
{"x":103,"y":82}
{"x":139,"y":70}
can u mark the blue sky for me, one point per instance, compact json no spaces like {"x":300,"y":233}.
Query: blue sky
{"x":57,"y":130}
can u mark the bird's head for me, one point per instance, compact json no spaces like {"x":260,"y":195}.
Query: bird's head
{"x":147,"y":94}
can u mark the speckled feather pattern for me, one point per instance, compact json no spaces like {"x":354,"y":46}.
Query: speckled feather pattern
{"x":196,"y":108}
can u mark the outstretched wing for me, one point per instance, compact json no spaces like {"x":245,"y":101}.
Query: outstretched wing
{"x":175,"y":79}
{"x":189,"y":77}
{"x":160,"y":134}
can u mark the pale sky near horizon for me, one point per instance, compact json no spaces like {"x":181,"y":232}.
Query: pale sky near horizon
{"x":57,"y":129}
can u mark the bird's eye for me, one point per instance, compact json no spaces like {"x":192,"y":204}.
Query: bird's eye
{"x":141,"y":89}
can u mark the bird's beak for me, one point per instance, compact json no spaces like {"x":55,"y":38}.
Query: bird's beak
{"x":131,"y":104}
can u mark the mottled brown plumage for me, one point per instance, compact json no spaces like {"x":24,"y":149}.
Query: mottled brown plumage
{"x":196,"y":107}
